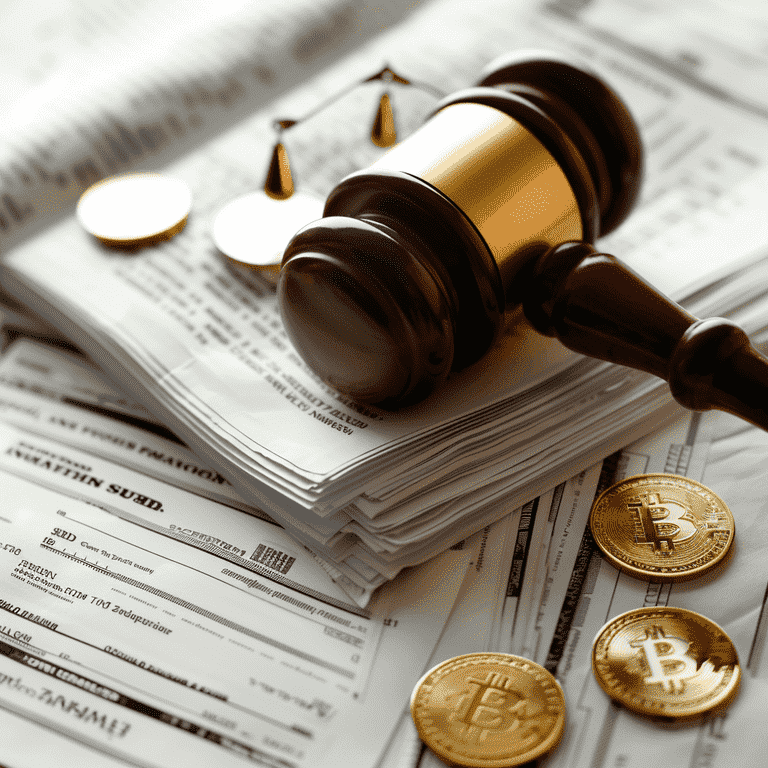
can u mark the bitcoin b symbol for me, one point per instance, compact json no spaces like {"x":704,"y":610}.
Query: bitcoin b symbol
{"x":491,"y":705}
{"x":662,"y":523}
{"x":667,"y":659}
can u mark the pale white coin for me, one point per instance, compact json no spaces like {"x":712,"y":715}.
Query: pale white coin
{"x":135,"y":207}
{"x":254,"y":229}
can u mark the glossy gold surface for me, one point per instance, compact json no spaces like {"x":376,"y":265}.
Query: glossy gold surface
{"x":498,"y":173}
{"x":135,"y":209}
{"x":383,"y":132}
{"x":279,"y":182}
{"x":488,"y":710}
{"x":666,"y":662}
{"x":661,"y":526}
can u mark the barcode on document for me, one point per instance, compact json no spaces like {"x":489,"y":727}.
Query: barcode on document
{"x":273,"y":558}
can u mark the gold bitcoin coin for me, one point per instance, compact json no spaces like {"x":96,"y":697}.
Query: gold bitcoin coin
{"x":660,"y":526}
{"x":488,"y":710}
{"x":666,"y":662}
{"x":135,"y":209}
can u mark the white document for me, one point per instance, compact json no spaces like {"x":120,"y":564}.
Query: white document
{"x":150,"y":626}
{"x":52,"y":393}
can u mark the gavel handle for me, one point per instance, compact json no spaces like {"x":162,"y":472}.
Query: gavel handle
{"x":596,"y":305}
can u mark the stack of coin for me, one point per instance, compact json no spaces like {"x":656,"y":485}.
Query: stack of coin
{"x":660,"y":526}
{"x":488,"y":710}
{"x":666,"y":662}
{"x":135,"y":209}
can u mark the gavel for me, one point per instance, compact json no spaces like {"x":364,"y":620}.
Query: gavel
{"x":492,"y":205}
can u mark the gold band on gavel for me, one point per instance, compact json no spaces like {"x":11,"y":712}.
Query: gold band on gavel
{"x":500,"y":175}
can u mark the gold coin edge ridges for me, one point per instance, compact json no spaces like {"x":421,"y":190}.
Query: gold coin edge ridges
{"x":615,"y":625}
{"x":133,"y":242}
{"x":687,"y":572}
{"x":540,"y":674}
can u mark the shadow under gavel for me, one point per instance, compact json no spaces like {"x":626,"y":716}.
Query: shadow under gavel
{"x":492,"y":204}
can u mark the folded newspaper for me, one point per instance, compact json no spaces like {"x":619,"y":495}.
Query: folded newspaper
{"x":367,"y":490}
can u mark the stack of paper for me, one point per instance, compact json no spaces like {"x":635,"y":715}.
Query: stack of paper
{"x":372,"y":491}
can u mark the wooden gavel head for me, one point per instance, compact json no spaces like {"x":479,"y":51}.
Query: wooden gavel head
{"x":493,"y":203}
